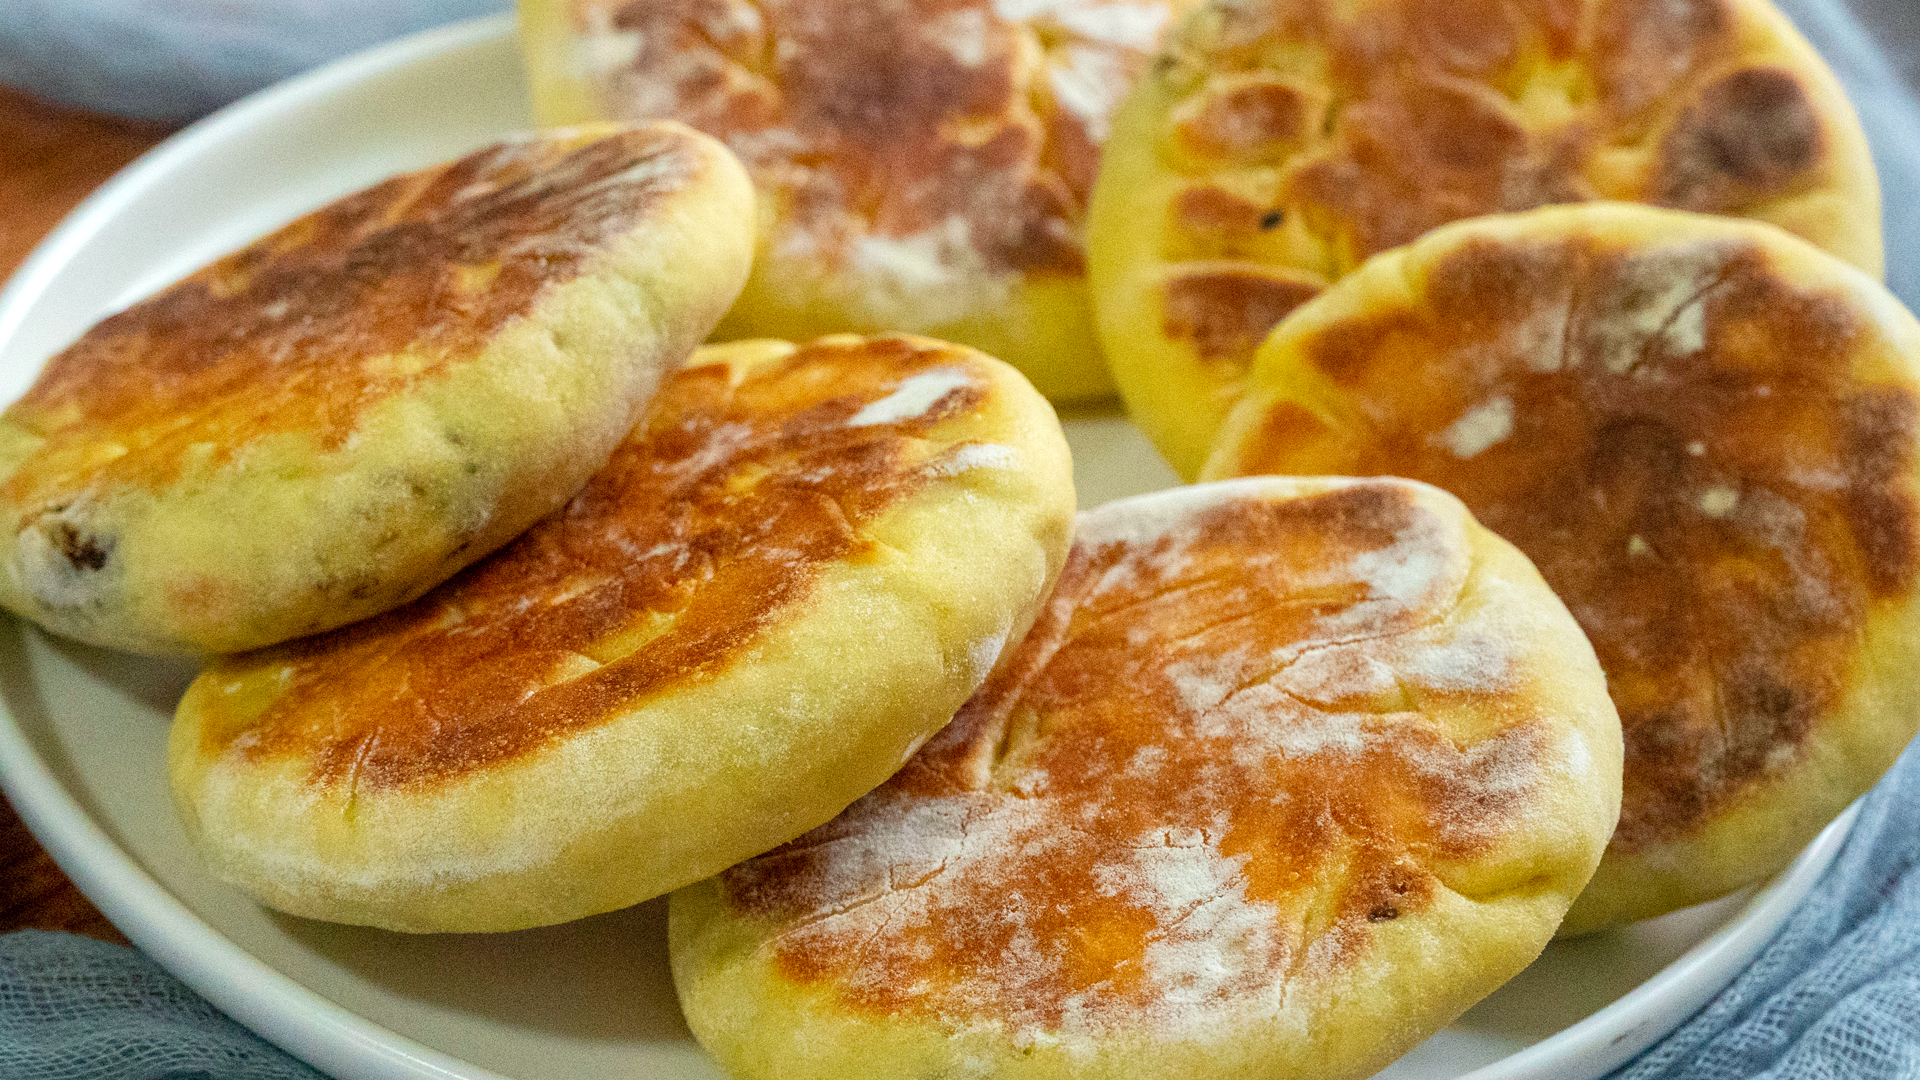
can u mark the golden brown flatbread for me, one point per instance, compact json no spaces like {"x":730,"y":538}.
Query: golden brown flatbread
{"x":333,"y":419}
{"x":922,"y":165}
{"x":1281,"y":143}
{"x":791,"y":575}
{"x":1287,"y":774}
{"x":1703,"y":431}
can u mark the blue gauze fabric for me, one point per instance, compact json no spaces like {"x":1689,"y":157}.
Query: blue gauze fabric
{"x":1835,"y":995}
{"x":180,"y":59}
{"x":72,"y":1008}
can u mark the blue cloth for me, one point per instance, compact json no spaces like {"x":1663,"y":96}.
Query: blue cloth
{"x":1836,"y":994}
{"x":180,"y":59}
{"x":1892,"y":120}
{"x":72,"y":1008}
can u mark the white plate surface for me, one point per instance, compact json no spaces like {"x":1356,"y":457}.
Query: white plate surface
{"x":83,"y":732}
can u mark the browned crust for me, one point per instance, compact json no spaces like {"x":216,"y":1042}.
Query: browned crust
{"x":1688,"y":455}
{"x":1225,"y":312}
{"x":708,"y":527}
{"x":891,"y":117}
{"x":282,"y":335}
{"x":1436,"y":111}
{"x":1007,"y":872}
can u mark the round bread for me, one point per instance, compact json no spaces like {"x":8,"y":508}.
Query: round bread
{"x":794,"y":572}
{"x":1280,"y":143}
{"x":335,"y":418}
{"x":1702,"y":430}
{"x":1288,"y":774}
{"x":922,"y":165}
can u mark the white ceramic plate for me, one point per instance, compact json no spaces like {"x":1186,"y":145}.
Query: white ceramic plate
{"x":83,"y":732}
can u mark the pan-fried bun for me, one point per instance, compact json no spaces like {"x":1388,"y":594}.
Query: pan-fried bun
{"x":1288,"y":774}
{"x":1703,"y":431}
{"x":922,"y":165}
{"x":332,"y":420}
{"x":1281,"y":143}
{"x":789,"y":576}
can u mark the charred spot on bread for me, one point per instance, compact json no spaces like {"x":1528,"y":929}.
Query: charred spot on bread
{"x":1676,"y":433}
{"x":84,"y":551}
{"x":1225,"y":313}
{"x":1748,"y":136}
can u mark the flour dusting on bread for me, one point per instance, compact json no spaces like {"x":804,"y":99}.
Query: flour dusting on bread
{"x":1191,"y":785}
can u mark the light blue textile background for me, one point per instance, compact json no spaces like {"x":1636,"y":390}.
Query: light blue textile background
{"x":72,"y":1008}
{"x":180,"y":59}
{"x":1835,"y":995}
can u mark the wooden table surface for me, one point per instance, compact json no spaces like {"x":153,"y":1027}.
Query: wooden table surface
{"x":50,"y":158}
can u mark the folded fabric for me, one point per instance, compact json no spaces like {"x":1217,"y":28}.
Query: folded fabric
{"x":1837,"y":992}
{"x":179,"y":59}
{"x":72,"y":1008}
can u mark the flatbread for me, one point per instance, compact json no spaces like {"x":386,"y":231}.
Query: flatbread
{"x":1703,"y":431}
{"x":1281,"y":143}
{"x":922,"y":165}
{"x":1287,"y":775}
{"x":337,"y":417}
{"x":791,"y":575}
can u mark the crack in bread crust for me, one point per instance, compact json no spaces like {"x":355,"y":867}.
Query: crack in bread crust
{"x":1175,"y":804}
{"x":707,"y":527}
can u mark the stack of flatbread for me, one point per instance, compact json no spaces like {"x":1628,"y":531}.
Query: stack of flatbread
{"x":1553,"y":563}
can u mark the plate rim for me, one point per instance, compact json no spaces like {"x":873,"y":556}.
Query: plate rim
{"x":1620,"y":1030}
{"x":261,"y":998}
{"x":337,"y":1040}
